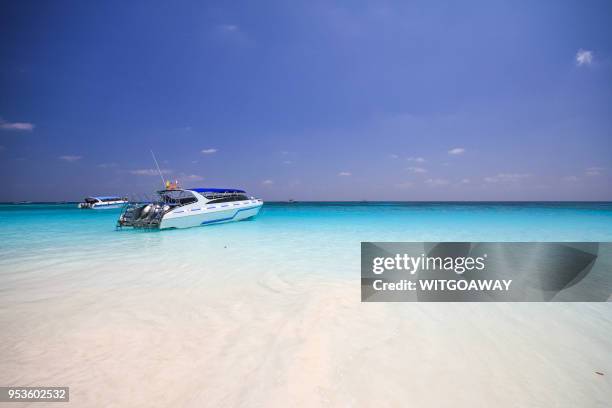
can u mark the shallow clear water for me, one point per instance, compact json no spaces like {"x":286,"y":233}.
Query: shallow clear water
{"x":300,"y":240}
{"x":525,"y":221}
{"x":297,"y":236}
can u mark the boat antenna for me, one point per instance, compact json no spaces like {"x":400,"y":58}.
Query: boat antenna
{"x":158,"y":169}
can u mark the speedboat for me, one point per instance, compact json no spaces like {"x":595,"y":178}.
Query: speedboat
{"x":184,"y":208}
{"x":103,"y":203}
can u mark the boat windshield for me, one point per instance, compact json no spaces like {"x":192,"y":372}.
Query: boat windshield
{"x":227,"y":198}
{"x":177,"y":197}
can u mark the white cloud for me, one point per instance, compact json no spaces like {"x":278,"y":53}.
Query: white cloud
{"x":594,"y":171}
{"x":345,"y":174}
{"x":570,"y":178}
{"x":393,"y":156}
{"x":436,"y":182}
{"x":267,"y":182}
{"x":465,"y":181}
{"x":416,"y":159}
{"x":506,"y":178}
{"x":229,"y":28}
{"x":70,"y":158}
{"x":417,"y":170}
{"x":287,"y":162}
{"x":193,"y":177}
{"x":456,"y":151}
{"x":18,"y":126}
{"x":149,"y":172}
{"x":209,"y":151}
{"x":584,"y":57}
{"x":232,"y":34}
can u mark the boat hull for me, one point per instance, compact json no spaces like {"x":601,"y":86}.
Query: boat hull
{"x":102,"y":205}
{"x":108,"y":207}
{"x":210,"y":214}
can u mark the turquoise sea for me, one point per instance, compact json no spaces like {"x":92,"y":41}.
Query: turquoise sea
{"x":290,"y":235}
{"x":267,"y":311}
{"x":46,"y":226}
{"x":309,"y":238}
{"x":294,"y":240}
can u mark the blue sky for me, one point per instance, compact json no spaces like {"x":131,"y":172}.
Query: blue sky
{"x":312,"y":101}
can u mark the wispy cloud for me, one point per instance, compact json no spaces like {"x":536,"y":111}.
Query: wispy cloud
{"x":465,"y":181}
{"x":594,"y":171}
{"x":417,"y":170}
{"x":232,"y":33}
{"x":438,"y":182}
{"x":267,"y":182}
{"x":70,"y":158}
{"x":345,"y":174}
{"x":584,"y":57}
{"x":416,"y":159}
{"x":406,"y":184}
{"x":149,"y":172}
{"x":229,"y":28}
{"x":506,"y":178}
{"x":393,"y":156}
{"x":193,"y":177}
{"x":456,"y":151}
{"x":17,"y":126}
{"x":209,"y":151}
{"x":287,"y":162}
{"x":570,"y":178}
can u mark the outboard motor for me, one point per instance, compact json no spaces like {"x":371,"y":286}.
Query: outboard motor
{"x":145,"y":211}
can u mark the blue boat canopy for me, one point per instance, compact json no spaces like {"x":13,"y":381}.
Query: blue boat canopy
{"x":217,"y":190}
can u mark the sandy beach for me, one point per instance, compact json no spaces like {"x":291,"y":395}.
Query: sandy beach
{"x":268,"y":314}
{"x":309,"y":344}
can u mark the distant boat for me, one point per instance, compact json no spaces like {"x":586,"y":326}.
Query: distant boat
{"x":103,"y":203}
{"x":183,"y":208}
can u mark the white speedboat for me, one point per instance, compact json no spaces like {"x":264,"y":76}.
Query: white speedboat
{"x":103,"y":203}
{"x":183,"y":208}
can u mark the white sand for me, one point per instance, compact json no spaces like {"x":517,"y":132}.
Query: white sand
{"x":201,"y":318}
{"x":305,"y":342}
